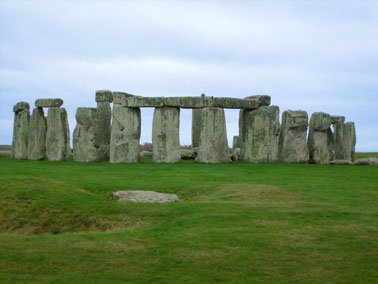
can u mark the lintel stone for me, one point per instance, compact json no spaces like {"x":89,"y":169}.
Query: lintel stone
{"x":264,"y":100}
{"x":337,"y":119}
{"x":104,"y":96}
{"x":48,"y":102}
{"x":21,"y":106}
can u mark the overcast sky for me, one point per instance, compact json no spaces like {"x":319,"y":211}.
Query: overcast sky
{"x":313,"y":56}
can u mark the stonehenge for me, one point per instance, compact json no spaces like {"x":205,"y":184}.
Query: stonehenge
{"x":103,"y":134}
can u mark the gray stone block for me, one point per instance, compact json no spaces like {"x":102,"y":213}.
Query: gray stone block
{"x":235,"y":142}
{"x":196,"y":126}
{"x":337,"y":119}
{"x":318,"y":138}
{"x":37,"y":135}
{"x":20,"y":131}
{"x":344,"y":140}
{"x":21,"y":106}
{"x":235,"y":103}
{"x":264,"y":100}
{"x":57,"y":135}
{"x":48,"y":102}
{"x":104,"y":115}
{"x":121,"y":97}
{"x":104,"y":96}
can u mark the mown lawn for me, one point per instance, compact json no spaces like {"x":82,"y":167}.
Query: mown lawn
{"x":237,"y":223}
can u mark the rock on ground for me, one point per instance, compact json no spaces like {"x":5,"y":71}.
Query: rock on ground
{"x":372,"y":161}
{"x":341,"y":162}
{"x":145,"y":196}
{"x":145,"y":154}
{"x":188,"y":154}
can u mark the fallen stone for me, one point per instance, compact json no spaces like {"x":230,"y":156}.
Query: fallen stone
{"x":21,"y":106}
{"x":318,"y":138}
{"x":188,"y":154}
{"x":341,"y":162}
{"x":141,"y":196}
{"x":48,"y":102}
{"x":264,"y":100}
{"x":292,"y":144}
{"x":145,"y":154}
{"x":125,"y":135}
{"x":344,"y":141}
{"x":371,"y":161}
{"x":165,"y":135}
{"x":104,"y":96}
{"x":57,"y":135}
{"x":337,"y":119}
{"x":20,"y":130}
{"x":235,"y":142}
{"x":235,"y":154}
{"x":37,"y":135}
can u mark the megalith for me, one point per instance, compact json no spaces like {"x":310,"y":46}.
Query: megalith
{"x":213,"y":145}
{"x":292,"y":143}
{"x":20,"y":130}
{"x":165,"y":135}
{"x":344,"y":140}
{"x":196,"y":126}
{"x":57,"y":135}
{"x":103,"y":99}
{"x":125,"y":134}
{"x":86,"y":146}
{"x":235,"y":142}
{"x":37,"y":135}
{"x":319,"y":138}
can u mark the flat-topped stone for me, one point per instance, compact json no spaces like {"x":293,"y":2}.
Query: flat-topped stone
{"x":49,"y":102}
{"x":104,"y":96}
{"x":21,"y":106}
{"x":119,"y":97}
{"x":337,"y":119}
{"x":145,"y":196}
{"x":264,"y":100}
{"x":236,"y":103}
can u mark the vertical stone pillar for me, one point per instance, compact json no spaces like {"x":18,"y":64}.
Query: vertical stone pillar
{"x":292,"y":143}
{"x":196,"y":126}
{"x":345,"y":140}
{"x":58,"y":135}
{"x":166,"y":135}
{"x":86,"y":145}
{"x":235,"y":142}
{"x":318,"y":138}
{"x":37,"y":135}
{"x":125,"y":134}
{"x":213,"y":145}
{"x":20,"y":130}
{"x":103,"y":99}
{"x":274,"y":133}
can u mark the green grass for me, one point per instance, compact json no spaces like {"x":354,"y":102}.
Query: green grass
{"x":237,"y":223}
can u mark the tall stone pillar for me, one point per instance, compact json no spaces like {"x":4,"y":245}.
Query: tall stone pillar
{"x":318,"y":141}
{"x":196,"y":126}
{"x":125,"y":134}
{"x":274,"y":133}
{"x":86,"y":145}
{"x":166,"y":135}
{"x":292,"y":143}
{"x":58,"y":135}
{"x":344,"y":140}
{"x":235,"y":142}
{"x":20,"y":130}
{"x":103,"y":99}
{"x":213,"y":145}
{"x":37,"y":135}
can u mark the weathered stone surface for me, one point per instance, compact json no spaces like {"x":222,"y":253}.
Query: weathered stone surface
{"x":145,"y":154}
{"x":120,"y":97}
{"x":21,"y":106}
{"x":135,"y":101}
{"x":274,"y":133}
{"x":330,"y":141}
{"x":165,"y":135}
{"x":86,"y":146}
{"x":318,"y":138}
{"x":37,"y":135}
{"x":20,"y":130}
{"x":104,"y":116}
{"x":213,"y":145}
{"x":264,"y":100}
{"x":196,"y":126}
{"x":188,"y":154}
{"x":235,"y":142}
{"x":236,"y":103}
{"x":344,"y":141}
{"x":125,"y":135}
{"x":57,"y":135}
{"x":145,"y":196}
{"x":292,"y":143}
{"x":104,"y":96}
{"x":48,"y":102}
{"x":189,"y":102}
{"x":372,"y":161}
{"x":235,"y":154}
{"x":341,"y":162}
{"x":337,"y":119}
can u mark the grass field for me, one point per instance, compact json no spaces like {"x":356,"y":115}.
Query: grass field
{"x":237,"y":223}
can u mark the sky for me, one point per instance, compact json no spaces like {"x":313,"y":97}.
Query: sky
{"x":307,"y":55}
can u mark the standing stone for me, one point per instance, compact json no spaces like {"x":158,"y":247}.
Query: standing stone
{"x":57,"y":136}
{"x":213,"y":145}
{"x":318,"y":138}
{"x":274,"y":133}
{"x":235,"y":142}
{"x":292,"y":143}
{"x":86,"y":146}
{"x":20,"y":130}
{"x":330,"y":144}
{"x":37,"y":135}
{"x":165,"y":135}
{"x":345,"y":140}
{"x":125,"y":134}
{"x":103,"y":99}
{"x":196,"y":126}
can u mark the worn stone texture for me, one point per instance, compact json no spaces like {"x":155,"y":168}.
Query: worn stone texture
{"x":165,"y":135}
{"x":196,"y":126}
{"x":187,"y":154}
{"x":264,"y":100}
{"x":213,"y":145}
{"x":341,"y":162}
{"x":86,"y":145}
{"x":48,"y":102}
{"x":145,"y":154}
{"x":145,"y":196}
{"x":121,"y":97}
{"x":292,"y":143}
{"x":104,"y":116}
{"x":20,"y":130}
{"x":104,"y":96}
{"x":57,"y":135}
{"x":274,"y":133}
{"x":37,"y":135}
{"x":371,"y":161}
{"x":318,"y":138}
{"x":235,"y":142}
{"x":344,"y":140}
{"x":337,"y":119}
{"x":125,"y":134}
